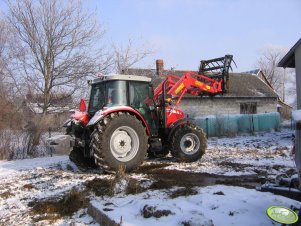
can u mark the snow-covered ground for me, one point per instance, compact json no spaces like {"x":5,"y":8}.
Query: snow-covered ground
{"x":264,"y":153}
{"x":257,"y":158}
{"x":211,"y":206}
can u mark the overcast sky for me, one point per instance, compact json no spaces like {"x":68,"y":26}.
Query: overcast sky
{"x":185,"y":31}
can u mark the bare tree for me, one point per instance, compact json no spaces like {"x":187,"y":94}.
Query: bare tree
{"x":60,"y":45}
{"x":278,"y":77}
{"x":126,"y":57}
{"x":7,"y":54}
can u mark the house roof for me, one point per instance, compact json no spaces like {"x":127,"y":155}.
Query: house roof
{"x":240,"y":84}
{"x":289,"y":59}
{"x":248,"y":85}
{"x":151,"y":73}
{"x":58,"y":99}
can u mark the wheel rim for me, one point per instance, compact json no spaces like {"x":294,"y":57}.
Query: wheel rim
{"x":124,"y":143}
{"x":190,"y":143}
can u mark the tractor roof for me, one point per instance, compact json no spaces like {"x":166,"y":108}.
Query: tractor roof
{"x":122,"y":77}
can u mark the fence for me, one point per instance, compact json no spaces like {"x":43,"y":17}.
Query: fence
{"x":231,"y":125}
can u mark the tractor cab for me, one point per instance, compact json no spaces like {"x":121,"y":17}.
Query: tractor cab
{"x":121,"y":90}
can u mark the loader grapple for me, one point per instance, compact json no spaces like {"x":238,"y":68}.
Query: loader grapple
{"x":218,"y":68}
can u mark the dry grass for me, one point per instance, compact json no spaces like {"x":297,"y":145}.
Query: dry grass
{"x":54,"y":209}
{"x":164,"y":184}
{"x":101,"y":187}
{"x":187,"y":191}
{"x":6,"y":195}
{"x":107,"y":187}
{"x":134,"y":187}
{"x":29,"y":186}
{"x":151,"y":211}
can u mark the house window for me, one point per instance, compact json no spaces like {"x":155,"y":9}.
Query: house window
{"x":248,"y":108}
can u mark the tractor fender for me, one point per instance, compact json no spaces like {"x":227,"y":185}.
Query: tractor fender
{"x":175,"y":125}
{"x":105,"y":111}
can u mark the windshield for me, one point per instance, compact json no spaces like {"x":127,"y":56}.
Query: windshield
{"x":111,"y":93}
{"x":116,"y":93}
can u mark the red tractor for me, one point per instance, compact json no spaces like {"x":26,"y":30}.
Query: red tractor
{"x":127,"y":118}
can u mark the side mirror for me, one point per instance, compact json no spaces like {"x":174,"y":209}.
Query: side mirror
{"x":82,"y":105}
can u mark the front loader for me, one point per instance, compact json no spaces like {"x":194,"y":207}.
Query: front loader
{"x":127,"y":118}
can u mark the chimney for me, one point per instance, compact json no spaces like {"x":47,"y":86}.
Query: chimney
{"x":160,"y":67}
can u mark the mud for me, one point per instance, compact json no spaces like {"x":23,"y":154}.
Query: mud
{"x":168,"y":178}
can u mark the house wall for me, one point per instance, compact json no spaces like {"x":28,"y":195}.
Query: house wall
{"x":298,"y":125}
{"x":214,"y":106}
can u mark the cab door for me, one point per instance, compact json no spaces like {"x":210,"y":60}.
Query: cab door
{"x":138,"y":94}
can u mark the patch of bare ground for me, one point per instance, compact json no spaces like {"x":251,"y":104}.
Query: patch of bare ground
{"x":279,"y":167}
{"x":238,"y":167}
{"x":29,"y":186}
{"x":6,"y":195}
{"x":53,"y":209}
{"x":134,"y":187}
{"x":186,"y":191}
{"x":165,"y":179}
{"x":121,"y":180}
{"x":152,"y":211}
{"x":101,"y":186}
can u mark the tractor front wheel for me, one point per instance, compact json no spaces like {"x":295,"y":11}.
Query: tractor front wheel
{"x":188,"y":143}
{"x":118,"y":140}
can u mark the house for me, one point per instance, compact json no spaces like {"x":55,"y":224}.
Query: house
{"x":57,"y":113}
{"x":284,"y":109}
{"x":248,"y":94}
{"x":59,"y":103}
{"x":293,"y":60}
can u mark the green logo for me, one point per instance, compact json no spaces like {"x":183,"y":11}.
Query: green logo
{"x":282,"y":215}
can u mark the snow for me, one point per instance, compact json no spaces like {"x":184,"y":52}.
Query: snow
{"x":263,"y":155}
{"x":297,"y":115}
{"x":261,"y":152}
{"x":49,"y":177}
{"x":238,"y":206}
{"x":14,"y":167}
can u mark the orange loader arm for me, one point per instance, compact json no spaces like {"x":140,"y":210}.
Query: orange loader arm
{"x":190,"y":82}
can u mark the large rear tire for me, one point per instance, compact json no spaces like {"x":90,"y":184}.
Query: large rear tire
{"x":188,"y":143}
{"x":119,"y":140}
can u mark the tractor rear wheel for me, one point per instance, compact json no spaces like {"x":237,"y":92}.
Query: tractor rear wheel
{"x":188,"y":143}
{"x":83,"y":163}
{"x":119,"y":140}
